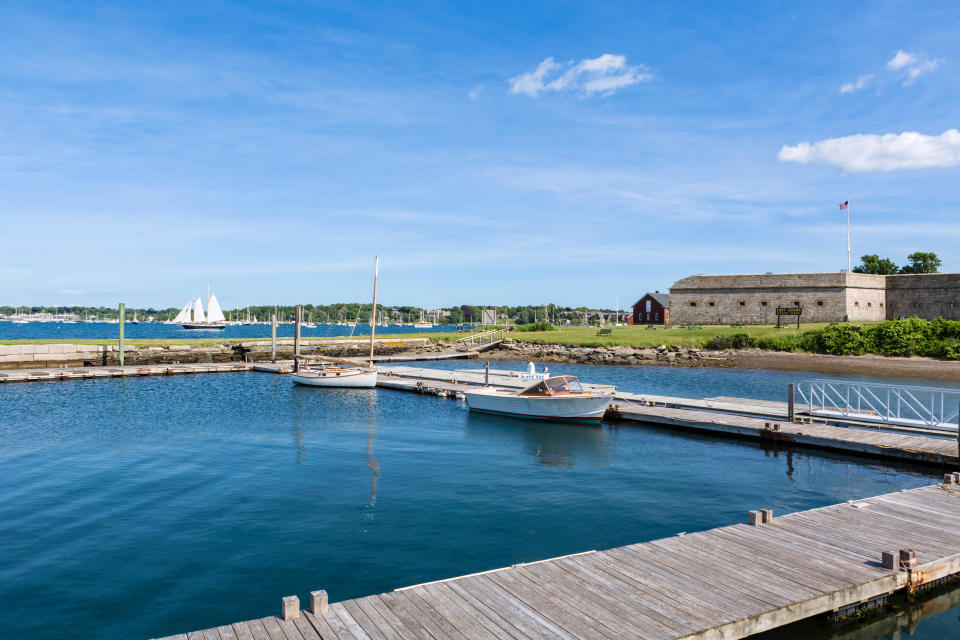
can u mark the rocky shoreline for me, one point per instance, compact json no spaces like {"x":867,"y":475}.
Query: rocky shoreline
{"x":663,"y":355}
{"x":29,"y":356}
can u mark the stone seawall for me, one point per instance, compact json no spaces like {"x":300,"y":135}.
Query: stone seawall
{"x":668,"y":355}
{"x":31,"y":356}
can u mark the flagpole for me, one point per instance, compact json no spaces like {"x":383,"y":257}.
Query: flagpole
{"x":848,"y":235}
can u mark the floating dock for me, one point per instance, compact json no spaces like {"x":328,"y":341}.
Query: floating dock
{"x":731,"y":417}
{"x":85,"y":373}
{"x":729,"y":582}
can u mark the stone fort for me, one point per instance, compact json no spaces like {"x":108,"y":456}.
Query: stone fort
{"x":824,"y":297}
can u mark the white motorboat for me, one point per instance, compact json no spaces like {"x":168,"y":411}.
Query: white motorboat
{"x":557,"y":398}
{"x":345,"y":376}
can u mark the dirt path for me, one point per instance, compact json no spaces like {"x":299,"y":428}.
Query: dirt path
{"x":870,"y":365}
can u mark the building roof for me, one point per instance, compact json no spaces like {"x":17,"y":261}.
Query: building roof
{"x":663,"y":299}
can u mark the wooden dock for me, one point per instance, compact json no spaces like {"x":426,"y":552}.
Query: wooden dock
{"x":86,"y":373}
{"x":729,"y":582}
{"x":729,"y":417}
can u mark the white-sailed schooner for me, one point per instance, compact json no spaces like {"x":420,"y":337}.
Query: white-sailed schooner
{"x":213,"y":319}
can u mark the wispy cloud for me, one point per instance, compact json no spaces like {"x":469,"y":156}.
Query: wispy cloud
{"x":604,"y":75}
{"x":862,"y":81}
{"x":475,"y":92}
{"x":913,"y":65}
{"x":71,"y":292}
{"x":905,"y":65}
{"x":861,"y":152}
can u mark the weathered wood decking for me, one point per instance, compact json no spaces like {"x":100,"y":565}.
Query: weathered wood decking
{"x":81,"y":373}
{"x":728,"y":582}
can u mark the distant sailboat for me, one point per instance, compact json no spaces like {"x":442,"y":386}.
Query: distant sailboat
{"x":340,"y":376}
{"x":213,"y":319}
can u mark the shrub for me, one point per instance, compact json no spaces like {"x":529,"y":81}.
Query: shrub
{"x":908,"y":337}
{"x":841,"y":340}
{"x":536,"y":326}
{"x":785,"y":342}
{"x":736,"y":341}
{"x":742,"y":341}
{"x":717,"y":343}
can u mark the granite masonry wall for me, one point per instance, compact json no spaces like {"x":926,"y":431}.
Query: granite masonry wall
{"x":926,"y":295}
{"x":753,"y":299}
{"x":825,"y":297}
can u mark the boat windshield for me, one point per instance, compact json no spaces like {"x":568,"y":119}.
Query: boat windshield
{"x":554,"y":386}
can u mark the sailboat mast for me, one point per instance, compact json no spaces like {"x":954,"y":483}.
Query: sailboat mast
{"x":373,"y":313}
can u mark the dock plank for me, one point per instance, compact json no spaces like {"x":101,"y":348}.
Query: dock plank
{"x":728,"y":582}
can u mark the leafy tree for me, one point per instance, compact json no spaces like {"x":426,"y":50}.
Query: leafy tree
{"x":922,"y":262}
{"x":876,"y":265}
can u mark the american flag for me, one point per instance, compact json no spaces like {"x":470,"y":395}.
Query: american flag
{"x":845,"y":205}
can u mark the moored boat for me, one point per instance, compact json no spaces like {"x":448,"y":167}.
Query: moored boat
{"x":336,"y":376}
{"x":340,"y":376}
{"x":557,"y":398}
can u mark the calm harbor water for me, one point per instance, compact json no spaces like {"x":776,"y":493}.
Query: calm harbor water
{"x":107,"y":331}
{"x":153,"y":506}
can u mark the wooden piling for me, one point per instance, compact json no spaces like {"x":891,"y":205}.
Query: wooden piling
{"x":790,"y":402}
{"x":318,"y":602}
{"x":296,"y":338}
{"x":122,"y":321}
{"x":290,"y":609}
{"x":273,"y":338}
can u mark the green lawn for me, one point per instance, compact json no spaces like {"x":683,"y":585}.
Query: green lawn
{"x":639,"y":336}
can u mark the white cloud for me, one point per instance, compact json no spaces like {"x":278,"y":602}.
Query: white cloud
{"x":532,"y":83}
{"x":475,"y":92}
{"x":913,"y":65}
{"x":605,"y":74}
{"x":907,"y":150}
{"x":901,"y":59}
{"x":861,"y":82}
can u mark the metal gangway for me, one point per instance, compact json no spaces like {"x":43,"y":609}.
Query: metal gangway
{"x":882,"y":404}
{"x":482,"y":341}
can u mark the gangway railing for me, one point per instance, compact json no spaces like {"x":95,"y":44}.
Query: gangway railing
{"x":480,"y":340}
{"x":896,"y":405}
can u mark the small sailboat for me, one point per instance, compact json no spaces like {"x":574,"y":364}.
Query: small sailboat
{"x":345,"y":376}
{"x":212,"y":320}
{"x":422,"y":324}
{"x":560,"y":398}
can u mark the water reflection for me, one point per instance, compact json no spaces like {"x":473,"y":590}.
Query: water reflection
{"x":372,"y":462}
{"x":928,"y":617}
{"x":553,"y":444}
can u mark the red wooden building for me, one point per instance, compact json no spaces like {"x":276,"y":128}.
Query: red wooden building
{"x":652,"y":308}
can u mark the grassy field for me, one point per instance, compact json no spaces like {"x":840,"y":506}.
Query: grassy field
{"x":640,"y":336}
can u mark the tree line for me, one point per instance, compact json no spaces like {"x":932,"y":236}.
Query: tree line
{"x":917,"y":262}
{"x":345,"y":312}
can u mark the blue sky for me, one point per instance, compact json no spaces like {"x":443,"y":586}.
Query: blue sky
{"x":488,"y":152}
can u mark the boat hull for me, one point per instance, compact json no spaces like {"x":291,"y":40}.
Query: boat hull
{"x":359,"y":380}
{"x":585,"y":408}
{"x":207,"y":327}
